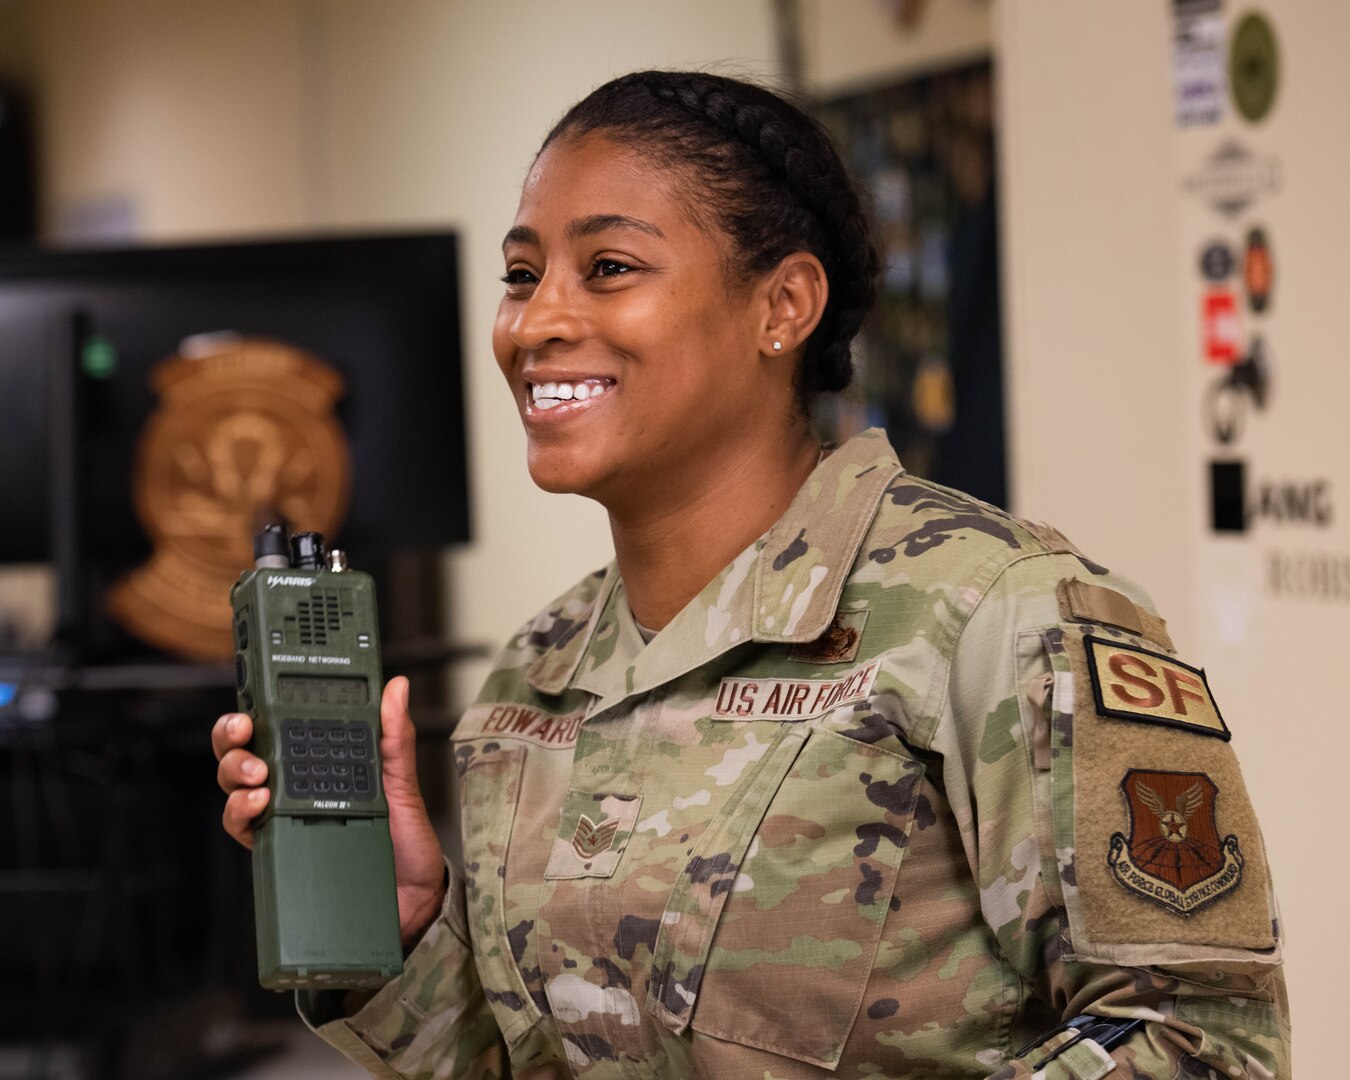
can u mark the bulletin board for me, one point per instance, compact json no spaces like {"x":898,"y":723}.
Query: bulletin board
{"x":929,"y":360}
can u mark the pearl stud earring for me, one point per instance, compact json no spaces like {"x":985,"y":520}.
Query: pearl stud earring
{"x":777,"y":346}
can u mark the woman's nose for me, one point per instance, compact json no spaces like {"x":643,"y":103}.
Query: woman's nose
{"x":549,"y":314}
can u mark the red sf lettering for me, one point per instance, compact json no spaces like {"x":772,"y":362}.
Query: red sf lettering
{"x":1175,"y":679}
{"x":1152,"y":696}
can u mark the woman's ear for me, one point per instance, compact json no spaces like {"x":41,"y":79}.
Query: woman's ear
{"x":797,"y":290}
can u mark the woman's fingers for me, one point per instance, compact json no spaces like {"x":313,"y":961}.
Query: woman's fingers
{"x":241,"y":808}
{"x":240,"y":769}
{"x":398,"y":743}
{"x":239,"y":774}
{"x":231,"y":730}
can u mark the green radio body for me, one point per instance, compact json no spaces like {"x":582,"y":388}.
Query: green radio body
{"x":307,"y":669}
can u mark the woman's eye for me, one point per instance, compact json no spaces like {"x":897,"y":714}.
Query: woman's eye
{"x":518,"y":276}
{"x":609,"y":268}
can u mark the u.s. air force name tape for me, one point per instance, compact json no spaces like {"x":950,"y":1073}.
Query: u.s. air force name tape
{"x":792,"y":699}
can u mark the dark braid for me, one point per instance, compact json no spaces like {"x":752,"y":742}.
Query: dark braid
{"x":770,"y":177}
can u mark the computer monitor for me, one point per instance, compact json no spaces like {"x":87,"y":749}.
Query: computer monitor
{"x":81,"y":332}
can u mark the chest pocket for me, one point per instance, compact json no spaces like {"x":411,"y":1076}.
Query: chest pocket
{"x":489,"y":791}
{"x":789,"y":890}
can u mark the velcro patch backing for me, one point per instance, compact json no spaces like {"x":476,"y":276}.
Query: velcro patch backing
{"x":1081,"y":601}
{"x":1102,"y":813}
{"x":1131,"y":683}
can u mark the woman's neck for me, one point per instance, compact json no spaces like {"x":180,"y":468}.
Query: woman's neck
{"x":671,"y":547}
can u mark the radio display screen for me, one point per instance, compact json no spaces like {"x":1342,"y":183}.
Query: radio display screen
{"x":323,"y":690}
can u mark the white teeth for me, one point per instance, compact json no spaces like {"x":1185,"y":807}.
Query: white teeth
{"x":550,"y":395}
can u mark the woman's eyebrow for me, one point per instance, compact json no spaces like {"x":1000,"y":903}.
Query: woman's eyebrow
{"x":587,"y":226}
{"x":520,"y":234}
{"x":598,"y":223}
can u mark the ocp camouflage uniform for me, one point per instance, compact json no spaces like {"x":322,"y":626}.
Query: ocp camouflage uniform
{"x":908,"y":784}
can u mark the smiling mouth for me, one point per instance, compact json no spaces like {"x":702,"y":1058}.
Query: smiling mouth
{"x":547,"y":396}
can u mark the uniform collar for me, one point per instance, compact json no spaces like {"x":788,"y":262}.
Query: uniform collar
{"x":784,"y":587}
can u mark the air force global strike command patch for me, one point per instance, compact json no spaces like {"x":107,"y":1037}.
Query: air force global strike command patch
{"x":1136,"y":684}
{"x":1174,"y":856}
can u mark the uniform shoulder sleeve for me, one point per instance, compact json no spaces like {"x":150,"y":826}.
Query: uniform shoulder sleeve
{"x":1120,"y":864}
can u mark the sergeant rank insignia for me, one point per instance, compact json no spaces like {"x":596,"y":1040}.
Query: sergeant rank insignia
{"x":1174,"y":857}
{"x":590,"y":839}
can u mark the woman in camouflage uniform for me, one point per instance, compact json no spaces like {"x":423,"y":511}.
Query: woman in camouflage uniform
{"x":832,"y":771}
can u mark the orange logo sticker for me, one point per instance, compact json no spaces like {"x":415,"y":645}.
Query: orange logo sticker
{"x":1137,"y":684}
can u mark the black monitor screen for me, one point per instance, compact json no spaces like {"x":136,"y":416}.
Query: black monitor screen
{"x":382,"y":311}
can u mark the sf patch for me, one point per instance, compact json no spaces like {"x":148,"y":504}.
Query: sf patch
{"x":1174,"y":856}
{"x":1131,"y":683}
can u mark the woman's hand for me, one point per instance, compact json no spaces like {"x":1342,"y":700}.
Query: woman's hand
{"x":419,"y":868}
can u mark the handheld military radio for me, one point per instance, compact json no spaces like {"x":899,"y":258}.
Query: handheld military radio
{"x":307,"y":669}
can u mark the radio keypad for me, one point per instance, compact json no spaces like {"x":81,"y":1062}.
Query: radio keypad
{"x":324,"y":759}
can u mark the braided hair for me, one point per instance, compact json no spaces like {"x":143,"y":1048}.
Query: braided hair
{"x":767,"y":174}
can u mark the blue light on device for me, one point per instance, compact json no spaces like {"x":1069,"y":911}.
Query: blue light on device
{"x":7,"y":693}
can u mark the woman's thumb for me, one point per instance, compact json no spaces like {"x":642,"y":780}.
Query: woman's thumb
{"x":398,"y":743}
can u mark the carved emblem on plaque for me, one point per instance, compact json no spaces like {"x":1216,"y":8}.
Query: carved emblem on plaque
{"x":242,"y":430}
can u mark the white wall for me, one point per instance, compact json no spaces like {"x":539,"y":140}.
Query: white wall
{"x":1089,"y":224}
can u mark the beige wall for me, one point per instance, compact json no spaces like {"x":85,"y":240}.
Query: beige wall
{"x":255,"y":117}
{"x":850,"y":44}
{"x":1089,"y":218}
{"x":192,"y":113}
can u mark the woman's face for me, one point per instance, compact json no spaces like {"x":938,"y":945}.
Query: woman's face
{"x":634,"y":362}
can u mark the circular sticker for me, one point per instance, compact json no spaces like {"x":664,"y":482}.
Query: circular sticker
{"x":1253,"y":67}
{"x":1217,"y":261}
{"x":1258,"y":271}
